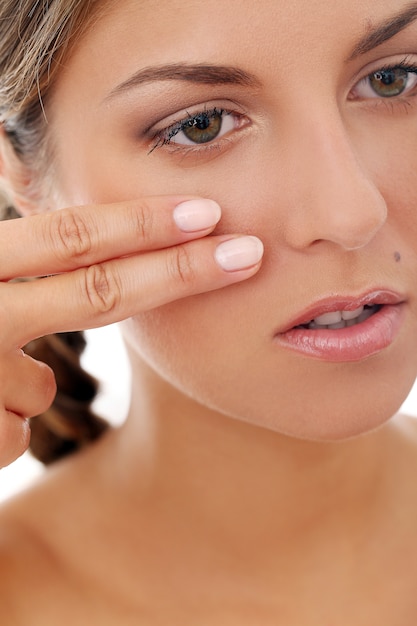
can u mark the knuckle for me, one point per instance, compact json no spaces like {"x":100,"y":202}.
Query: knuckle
{"x":4,"y":319}
{"x":101,"y":288}
{"x":48,"y":384}
{"x":180,"y":266}
{"x":9,"y":321}
{"x":70,"y":235}
{"x":14,"y":437}
{"x":142,"y":221}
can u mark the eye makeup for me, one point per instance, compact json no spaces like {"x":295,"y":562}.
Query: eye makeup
{"x":200,"y":129}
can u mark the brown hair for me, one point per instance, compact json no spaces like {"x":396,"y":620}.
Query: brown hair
{"x":34,"y":37}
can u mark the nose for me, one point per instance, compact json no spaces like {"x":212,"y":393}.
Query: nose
{"x":331,"y":197}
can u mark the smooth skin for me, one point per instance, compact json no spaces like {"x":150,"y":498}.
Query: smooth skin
{"x":249,"y":484}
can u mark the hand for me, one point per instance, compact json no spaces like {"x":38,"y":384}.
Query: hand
{"x":102,"y":264}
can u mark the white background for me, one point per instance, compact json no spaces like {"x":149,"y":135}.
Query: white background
{"x":105,"y":358}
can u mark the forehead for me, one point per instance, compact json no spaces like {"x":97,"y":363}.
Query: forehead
{"x":260,"y":36}
{"x":155,"y":29}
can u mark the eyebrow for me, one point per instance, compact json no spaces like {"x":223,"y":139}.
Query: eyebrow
{"x":385,"y":31}
{"x":200,"y":73}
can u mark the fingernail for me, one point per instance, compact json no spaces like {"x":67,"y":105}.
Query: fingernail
{"x":194,"y":215}
{"x":239,"y":253}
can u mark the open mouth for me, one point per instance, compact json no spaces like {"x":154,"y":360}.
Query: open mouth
{"x":345,"y":329}
{"x":336,"y":320}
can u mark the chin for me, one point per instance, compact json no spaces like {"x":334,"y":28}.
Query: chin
{"x":342,"y":408}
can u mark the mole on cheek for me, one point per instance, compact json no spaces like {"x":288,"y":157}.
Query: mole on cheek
{"x":397,"y":257}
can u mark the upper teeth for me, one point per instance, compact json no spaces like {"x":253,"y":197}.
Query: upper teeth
{"x":337,"y":316}
{"x":335,"y":320}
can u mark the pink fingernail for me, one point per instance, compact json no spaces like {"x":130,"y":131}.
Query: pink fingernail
{"x":239,"y":253}
{"x":194,"y":215}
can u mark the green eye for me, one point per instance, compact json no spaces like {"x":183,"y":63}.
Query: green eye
{"x":203,"y":127}
{"x":389,"y":83}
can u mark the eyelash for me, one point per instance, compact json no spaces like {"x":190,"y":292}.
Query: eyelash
{"x":402,"y":65}
{"x":164,"y":137}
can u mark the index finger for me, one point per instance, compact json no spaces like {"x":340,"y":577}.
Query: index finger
{"x":76,"y":237}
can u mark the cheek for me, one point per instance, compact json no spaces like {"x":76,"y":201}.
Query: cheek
{"x":388,"y":154}
{"x":213,"y":348}
{"x":197,"y":344}
{"x":396,"y":182}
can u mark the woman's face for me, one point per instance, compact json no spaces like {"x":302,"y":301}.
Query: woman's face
{"x":300,"y":118}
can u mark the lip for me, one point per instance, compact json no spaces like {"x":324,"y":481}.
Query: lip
{"x":351,"y":343}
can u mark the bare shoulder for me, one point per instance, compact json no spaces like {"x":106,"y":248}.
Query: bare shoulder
{"x":35,"y":574}
{"x":51,"y":544}
{"x":48,"y":562}
{"x":24,"y":560}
